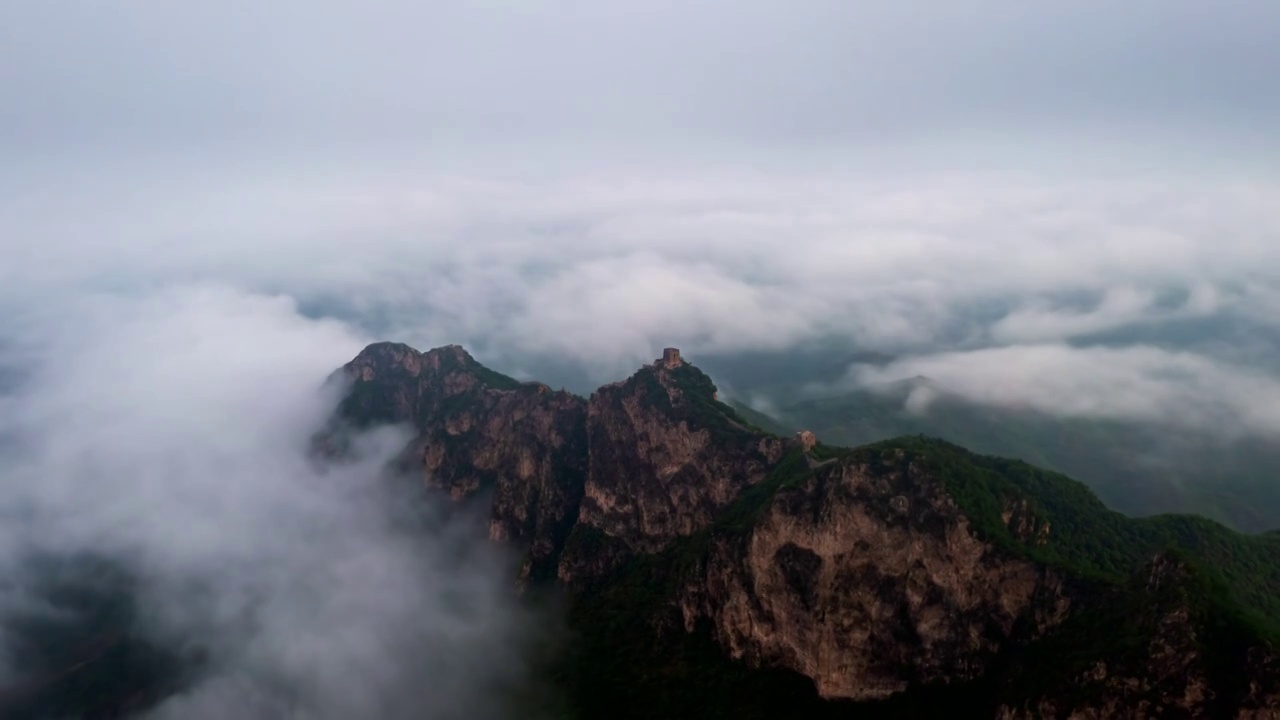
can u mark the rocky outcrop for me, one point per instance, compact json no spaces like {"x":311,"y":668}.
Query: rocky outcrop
{"x":867,"y":579}
{"x":1169,"y":658}
{"x":857,"y":571}
{"x":1023,"y":524}
{"x":665,"y":459}
{"x":479,"y":432}
{"x":640,"y":463}
{"x":1262,"y":695}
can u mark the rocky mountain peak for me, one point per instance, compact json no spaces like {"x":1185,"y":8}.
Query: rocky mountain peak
{"x":384,"y":357}
{"x":642,"y":462}
{"x":665,"y":457}
{"x":398,"y":357}
{"x":397,"y":362}
{"x":869,"y":573}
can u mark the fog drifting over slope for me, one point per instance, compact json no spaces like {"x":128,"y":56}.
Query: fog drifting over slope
{"x":169,"y":433}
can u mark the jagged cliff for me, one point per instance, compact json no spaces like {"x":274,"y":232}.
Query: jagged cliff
{"x":715,"y":568}
{"x":639,"y":463}
{"x":1170,"y":652}
{"x":866,"y":577}
{"x":664,"y":459}
{"x":479,"y":432}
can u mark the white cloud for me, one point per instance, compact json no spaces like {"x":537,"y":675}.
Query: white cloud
{"x":169,"y":432}
{"x":1132,"y":383}
{"x":605,"y":268}
{"x":1039,"y":319}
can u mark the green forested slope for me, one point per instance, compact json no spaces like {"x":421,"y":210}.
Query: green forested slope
{"x":1137,"y":468}
{"x":631,"y":659}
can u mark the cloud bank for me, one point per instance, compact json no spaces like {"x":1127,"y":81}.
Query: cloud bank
{"x":1140,"y":383}
{"x":168,"y":433}
{"x":605,"y":269}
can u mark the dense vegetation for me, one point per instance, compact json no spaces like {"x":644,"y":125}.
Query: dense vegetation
{"x":1118,"y":630}
{"x":1137,"y":468}
{"x":632,"y":658}
{"x":1091,"y":540}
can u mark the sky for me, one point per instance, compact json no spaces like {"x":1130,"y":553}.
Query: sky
{"x":151,"y":77}
{"x":205,"y":207}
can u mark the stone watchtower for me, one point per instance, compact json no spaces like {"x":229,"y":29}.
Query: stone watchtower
{"x":671,"y":358}
{"x":806,"y":440}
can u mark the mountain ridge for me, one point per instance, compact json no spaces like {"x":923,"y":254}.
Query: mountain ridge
{"x":1141,"y":468}
{"x":712,"y":569}
{"x":730,"y":528}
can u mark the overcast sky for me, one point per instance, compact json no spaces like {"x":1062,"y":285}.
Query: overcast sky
{"x":243,"y":77}
{"x":593,"y":181}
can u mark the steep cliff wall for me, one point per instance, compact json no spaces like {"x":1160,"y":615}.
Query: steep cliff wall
{"x":867,"y":578}
{"x":665,"y":457}
{"x":1156,"y":648}
{"x":640,"y":463}
{"x":479,"y":432}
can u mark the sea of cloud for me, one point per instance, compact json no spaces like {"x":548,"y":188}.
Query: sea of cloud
{"x":168,"y":432}
{"x":969,"y":275}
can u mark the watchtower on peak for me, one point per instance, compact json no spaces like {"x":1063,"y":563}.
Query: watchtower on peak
{"x":806,"y":440}
{"x":671,"y":357}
